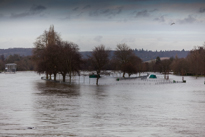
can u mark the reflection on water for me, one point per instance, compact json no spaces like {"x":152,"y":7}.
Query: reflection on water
{"x":111,"y":109}
{"x":57,"y":89}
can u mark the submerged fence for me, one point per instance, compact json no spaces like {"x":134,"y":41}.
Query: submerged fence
{"x":110,"y":80}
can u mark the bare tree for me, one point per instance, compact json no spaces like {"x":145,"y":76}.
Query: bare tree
{"x":2,"y":62}
{"x":134,"y":65}
{"x":195,"y":60}
{"x":165,"y":65}
{"x":180,"y":66}
{"x":39,"y":60}
{"x":145,"y":66}
{"x":129,"y":68}
{"x":124,"y":56}
{"x":48,"y":38}
{"x":158,"y":65}
{"x":99,"y":58}
{"x":75,"y":60}
{"x":70,"y":59}
{"x":52,"y":56}
{"x":138,"y":63}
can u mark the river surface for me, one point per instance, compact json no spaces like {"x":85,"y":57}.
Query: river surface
{"x":33,"y":107}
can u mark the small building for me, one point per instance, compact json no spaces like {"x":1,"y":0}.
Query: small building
{"x":10,"y":67}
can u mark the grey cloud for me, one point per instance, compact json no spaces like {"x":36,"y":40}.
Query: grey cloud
{"x":137,"y":0}
{"x":1,"y":15}
{"x":98,"y":38}
{"x":35,"y":9}
{"x":202,"y":10}
{"x":143,"y":13}
{"x":80,"y":14}
{"x":153,"y":10}
{"x":87,"y":7}
{"x":20,"y":15}
{"x":160,"y":19}
{"x":2,"y":1}
{"x":189,"y":19}
{"x":106,"y":12}
{"x":76,"y":8}
{"x":126,"y":40}
{"x":119,"y":10}
{"x":94,"y":13}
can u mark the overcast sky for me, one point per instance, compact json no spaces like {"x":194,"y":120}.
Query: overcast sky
{"x":138,"y":23}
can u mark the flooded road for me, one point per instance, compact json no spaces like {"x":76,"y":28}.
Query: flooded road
{"x":34,"y":107}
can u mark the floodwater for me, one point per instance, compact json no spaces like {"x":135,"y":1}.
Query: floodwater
{"x":30,"y":106}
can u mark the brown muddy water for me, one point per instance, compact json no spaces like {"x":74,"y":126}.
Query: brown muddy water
{"x":30,"y":106}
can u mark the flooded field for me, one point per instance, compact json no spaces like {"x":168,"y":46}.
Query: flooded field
{"x":130,"y":108}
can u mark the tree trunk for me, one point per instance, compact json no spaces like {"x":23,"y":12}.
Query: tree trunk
{"x":97,"y":80}
{"x":98,"y":76}
{"x":123,"y":74}
{"x":70,"y":71}
{"x":70,"y":77}
{"x":54,"y":76}
{"x":46,"y":75}
{"x":64,"y":77}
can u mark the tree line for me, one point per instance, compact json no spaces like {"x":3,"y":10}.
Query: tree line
{"x":193,"y":64}
{"x":52,"y":55}
{"x":24,"y":63}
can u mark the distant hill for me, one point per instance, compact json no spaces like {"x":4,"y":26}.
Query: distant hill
{"x":145,"y":55}
{"x":19,"y":51}
{"x":150,"y":55}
